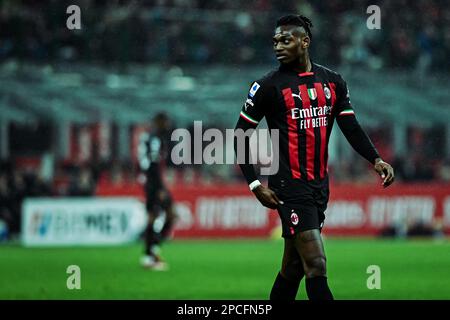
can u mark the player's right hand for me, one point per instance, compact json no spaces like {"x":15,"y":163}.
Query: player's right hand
{"x":267,"y":197}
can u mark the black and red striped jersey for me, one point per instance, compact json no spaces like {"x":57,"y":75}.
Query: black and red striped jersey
{"x":303,"y":107}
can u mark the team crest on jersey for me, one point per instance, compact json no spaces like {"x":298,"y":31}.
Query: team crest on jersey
{"x":327,"y":92}
{"x":312,"y":93}
{"x":294,"y":218}
{"x":253,"y":89}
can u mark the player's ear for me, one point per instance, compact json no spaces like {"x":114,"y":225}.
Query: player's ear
{"x":305,"y":42}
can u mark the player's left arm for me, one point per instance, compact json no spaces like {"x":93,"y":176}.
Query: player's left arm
{"x":357,"y":137}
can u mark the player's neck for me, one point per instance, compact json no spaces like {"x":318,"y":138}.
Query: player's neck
{"x":303,"y":65}
{"x":300,"y":66}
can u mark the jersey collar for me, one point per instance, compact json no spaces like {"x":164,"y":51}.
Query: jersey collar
{"x":303,"y":74}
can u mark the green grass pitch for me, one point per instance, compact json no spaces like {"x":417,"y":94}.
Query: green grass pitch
{"x":219,"y":269}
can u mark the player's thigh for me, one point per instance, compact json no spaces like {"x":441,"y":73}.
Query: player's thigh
{"x":151,"y":216}
{"x":309,"y":245}
{"x":291,"y":265}
{"x":168,"y":206}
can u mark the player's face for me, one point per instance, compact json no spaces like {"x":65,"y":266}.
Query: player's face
{"x":162,"y":124}
{"x":289,"y":44}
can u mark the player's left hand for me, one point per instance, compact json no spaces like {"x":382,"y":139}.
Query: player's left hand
{"x":385,"y":171}
{"x":141,"y":179}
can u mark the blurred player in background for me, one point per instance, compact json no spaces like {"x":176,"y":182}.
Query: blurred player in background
{"x":302,"y":99}
{"x":152,"y":155}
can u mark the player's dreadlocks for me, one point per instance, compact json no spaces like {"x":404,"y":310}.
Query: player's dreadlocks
{"x":296,"y":20}
{"x":160,"y":116}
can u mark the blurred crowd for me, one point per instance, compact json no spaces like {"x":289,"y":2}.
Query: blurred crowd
{"x":20,"y":182}
{"x":413,"y":34}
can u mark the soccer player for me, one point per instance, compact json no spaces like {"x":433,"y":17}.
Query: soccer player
{"x":152,"y":155}
{"x":302,"y":99}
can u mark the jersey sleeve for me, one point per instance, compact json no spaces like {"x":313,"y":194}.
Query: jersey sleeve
{"x":149,"y":151}
{"x":255,"y":105}
{"x":343,"y":104}
{"x":254,"y":109}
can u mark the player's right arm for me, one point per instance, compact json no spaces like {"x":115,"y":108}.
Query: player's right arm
{"x":251,"y":114}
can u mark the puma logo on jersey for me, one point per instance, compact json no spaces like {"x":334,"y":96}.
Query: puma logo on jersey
{"x":296,"y":96}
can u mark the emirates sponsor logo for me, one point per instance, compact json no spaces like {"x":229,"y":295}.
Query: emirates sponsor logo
{"x":297,"y":113}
